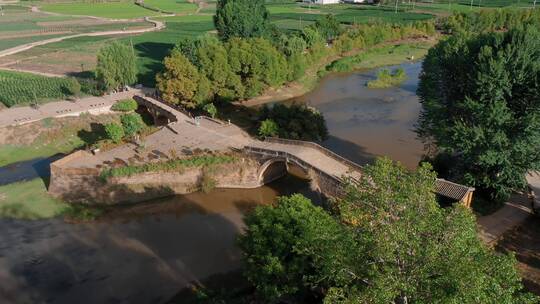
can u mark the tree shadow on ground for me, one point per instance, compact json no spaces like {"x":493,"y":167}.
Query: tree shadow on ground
{"x":96,"y":133}
{"x":83,"y":74}
{"x":523,"y":240}
{"x":153,"y":54}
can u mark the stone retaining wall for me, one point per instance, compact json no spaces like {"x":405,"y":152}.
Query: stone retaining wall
{"x":79,"y":185}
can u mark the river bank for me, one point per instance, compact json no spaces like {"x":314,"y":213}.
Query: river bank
{"x":385,"y":54}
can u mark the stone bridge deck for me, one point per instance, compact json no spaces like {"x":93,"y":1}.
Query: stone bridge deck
{"x":310,"y":153}
{"x":330,"y":164}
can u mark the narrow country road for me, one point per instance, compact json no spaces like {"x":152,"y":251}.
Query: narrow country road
{"x":158,"y":25}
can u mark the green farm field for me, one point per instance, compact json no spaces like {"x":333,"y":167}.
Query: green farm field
{"x":24,"y":88}
{"x":173,"y":6}
{"x":113,"y":10}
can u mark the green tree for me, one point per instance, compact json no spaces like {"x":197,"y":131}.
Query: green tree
{"x":268,"y":128}
{"x":479,"y":98}
{"x":329,"y":27}
{"x":417,"y":251}
{"x":294,"y":248}
{"x":211,"y":109}
{"x":116,"y":66}
{"x":132,"y":123}
{"x":297,"y":121}
{"x":114,"y":132}
{"x":390,"y":242}
{"x":241,"y":18}
{"x":210,"y":57}
{"x":181,"y":82}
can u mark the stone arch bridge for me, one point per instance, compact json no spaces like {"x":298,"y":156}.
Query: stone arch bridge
{"x":325,"y":168}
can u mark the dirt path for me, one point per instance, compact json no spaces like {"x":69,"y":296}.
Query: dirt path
{"x":512,"y":214}
{"x":524,"y":240}
{"x":158,"y":25}
{"x":31,"y":72}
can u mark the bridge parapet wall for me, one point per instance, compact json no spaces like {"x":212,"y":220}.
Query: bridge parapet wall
{"x":318,"y":147}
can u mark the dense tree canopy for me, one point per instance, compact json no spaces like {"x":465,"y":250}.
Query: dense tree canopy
{"x":181,"y":82}
{"x":241,"y":18}
{"x":480,"y":96}
{"x":297,"y":121}
{"x":116,"y":66}
{"x":389,"y":242}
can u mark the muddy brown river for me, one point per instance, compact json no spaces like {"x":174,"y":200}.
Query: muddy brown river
{"x":148,"y":252}
{"x":364,"y":123}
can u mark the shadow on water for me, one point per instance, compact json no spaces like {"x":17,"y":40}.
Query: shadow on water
{"x":144,"y":253}
{"x":27,"y":170}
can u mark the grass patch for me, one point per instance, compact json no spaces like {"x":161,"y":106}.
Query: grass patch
{"x":387,"y":79}
{"x":152,"y":47}
{"x":13,"y":42}
{"x":114,"y":10}
{"x":54,"y":136}
{"x":205,"y":160}
{"x":29,"y":200}
{"x":380,"y":56}
{"x":173,"y":6}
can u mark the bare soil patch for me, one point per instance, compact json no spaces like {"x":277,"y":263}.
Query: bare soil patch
{"x":51,"y":129}
{"x":524,"y":240}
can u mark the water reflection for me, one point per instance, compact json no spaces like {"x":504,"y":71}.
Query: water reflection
{"x":366,"y":122}
{"x":139,"y":254}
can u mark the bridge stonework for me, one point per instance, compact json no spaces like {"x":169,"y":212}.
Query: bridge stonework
{"x":326,"y":170}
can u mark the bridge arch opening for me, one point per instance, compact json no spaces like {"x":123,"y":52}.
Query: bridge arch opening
{"x":276,"y":168}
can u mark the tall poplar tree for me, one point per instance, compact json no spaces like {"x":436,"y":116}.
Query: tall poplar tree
{"x":241,"y":18}
{"x":116,"y":66}
{"x":481,"y":107}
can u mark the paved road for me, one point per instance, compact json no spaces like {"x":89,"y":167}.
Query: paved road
{"x":95,"y":105}
{"x":158,"y":25}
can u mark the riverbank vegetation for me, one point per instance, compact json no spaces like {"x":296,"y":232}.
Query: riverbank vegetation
{"x":366,"y":251}
{"x":386,"y":79}
{"x":231,"y":70}
{"x":477,"y":94}
{"x":297,"y":121}
{"x":380,"y":56}
{"x":173,"y":165}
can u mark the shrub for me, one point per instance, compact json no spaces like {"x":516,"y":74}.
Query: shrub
{"x":211,"y":109}
{"x":206,"y":160}
{"x":268,"y":128}
{"x":132,"y":123}
{"x":386,"y":79}
{"x":126,"y":105}
{"x":296,"y":121}
{"x":114,"y":132}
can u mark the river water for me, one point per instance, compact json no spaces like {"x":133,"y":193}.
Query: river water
{"x":364,"y":123}
{"x":147,"y":252}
